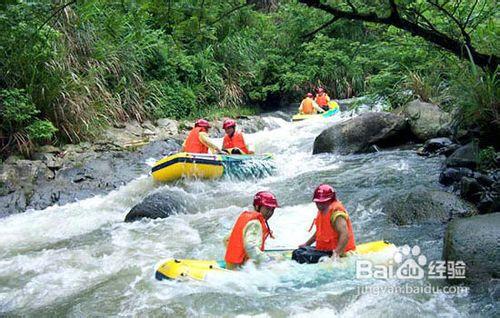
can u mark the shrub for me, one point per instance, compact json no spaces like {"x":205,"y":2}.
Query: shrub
{"x":41,"y":131}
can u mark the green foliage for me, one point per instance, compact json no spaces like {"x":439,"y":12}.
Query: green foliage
{"x":102,"y":61}
{"x":487,"y":158}
{"x":174,"y":101}
{"x":17,"y":109}
{"x":18,"y":121}
{"x":477,"y":94}
{"x":41,"y":130}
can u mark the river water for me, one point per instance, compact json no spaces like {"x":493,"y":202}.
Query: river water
{"x":82,"y":260}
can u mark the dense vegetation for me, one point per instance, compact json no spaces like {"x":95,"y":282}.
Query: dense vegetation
{"x":70,"y":68}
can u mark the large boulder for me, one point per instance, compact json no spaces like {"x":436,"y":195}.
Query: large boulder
{"x":155,"y":206}
{"x":426,"y":205}
{"x":427,"y":120}
{"x":359,"y":134}
{"x":474,"y":241}
{"x":466,"y":156}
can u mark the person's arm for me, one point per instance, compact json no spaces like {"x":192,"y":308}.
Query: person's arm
{"x":204,"y":139}
{"x":183,"y":146}
{"x":310,"y":241}
{"x":340,"y":225}
{"x":252,"y":241}
{"x":318,"y":109}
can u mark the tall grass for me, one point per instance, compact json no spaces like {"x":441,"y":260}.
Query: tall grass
{"x":477,"y":95}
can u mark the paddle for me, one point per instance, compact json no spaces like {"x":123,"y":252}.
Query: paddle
{"x":280,"y":250}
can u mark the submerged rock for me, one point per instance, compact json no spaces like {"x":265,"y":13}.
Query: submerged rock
{"x":474,"y":241}
{"x":359,"y":134}
{"x":158,"y":205}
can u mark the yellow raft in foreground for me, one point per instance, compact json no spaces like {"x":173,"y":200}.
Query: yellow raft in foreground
{"x":334,"y":109}
{"x":198,"y":269}
{"x":203,"y":166}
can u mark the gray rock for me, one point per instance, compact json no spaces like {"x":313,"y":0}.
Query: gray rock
{"x":437,"y":143}
{"x":49,"y":149}
{"x":167,"y":127}
{"x":252,"y":124}
{"x":18,"y":182}
{"x":30,"y":184}
{"x":471,"y":190}
{"x":157,"y":205}
{"x":427,"y":120}
{"x":474,"y":241}
{"x":358,"y":134}
{"x":453,"y":175}
{"x":466,"y":156}
{"x":426,"y":205}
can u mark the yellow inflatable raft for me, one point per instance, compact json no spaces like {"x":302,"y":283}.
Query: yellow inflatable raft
{"x":203,"y":166}
{"x":198,"y":269}
{"x":334,"y":109}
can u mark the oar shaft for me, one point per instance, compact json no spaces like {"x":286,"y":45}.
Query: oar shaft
{"x":280,"y":250}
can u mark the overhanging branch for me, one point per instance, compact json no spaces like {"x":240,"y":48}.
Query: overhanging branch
{"x":394,"y":19}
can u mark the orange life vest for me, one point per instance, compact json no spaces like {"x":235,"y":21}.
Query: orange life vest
{"x":321,"y":100}
{"x":307,"y":106}
{"x":326,"y":236}
{"x":235,"y":252}
{"x":193,"y":143}
{"x":236,"y":141}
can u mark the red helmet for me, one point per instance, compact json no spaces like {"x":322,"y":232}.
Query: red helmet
{"x":265,"y":198}
{"x":309,"y":95}
{"x":202,"y":123}
{"x":228,"y":123}
{"x":324,"y":193}
{"x":320,"y":90}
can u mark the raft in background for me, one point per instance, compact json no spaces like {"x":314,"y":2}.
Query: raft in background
{"x":198,"y":269}
{"x":334,"y":109}
{"x":208,"y":166}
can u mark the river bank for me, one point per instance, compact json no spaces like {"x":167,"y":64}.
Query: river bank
{"x":61,"y":175}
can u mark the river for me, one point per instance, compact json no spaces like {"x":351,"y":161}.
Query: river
{"x":82,"y":260}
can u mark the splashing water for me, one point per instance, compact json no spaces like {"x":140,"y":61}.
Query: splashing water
{"x":81,"y":259}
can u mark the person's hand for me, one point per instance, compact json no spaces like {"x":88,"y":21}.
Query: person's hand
{"x":302,"y":245}
{"x":224,"y":151}
{"x":335,"y":257}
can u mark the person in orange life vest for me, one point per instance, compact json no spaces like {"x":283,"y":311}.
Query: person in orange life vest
{"x":322,"y":99}
{"x":334,"y":236}
{"x":234,"y":142}
{"x":198,"y":141}
{"x":249,"y":233}
{"x":308,"y":106}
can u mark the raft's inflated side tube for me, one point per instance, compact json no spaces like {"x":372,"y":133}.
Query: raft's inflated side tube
{"x":334,"y":109}
{"x":195,"y":165}
{"x":184,"y":164}
{"x":198,"y":269}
